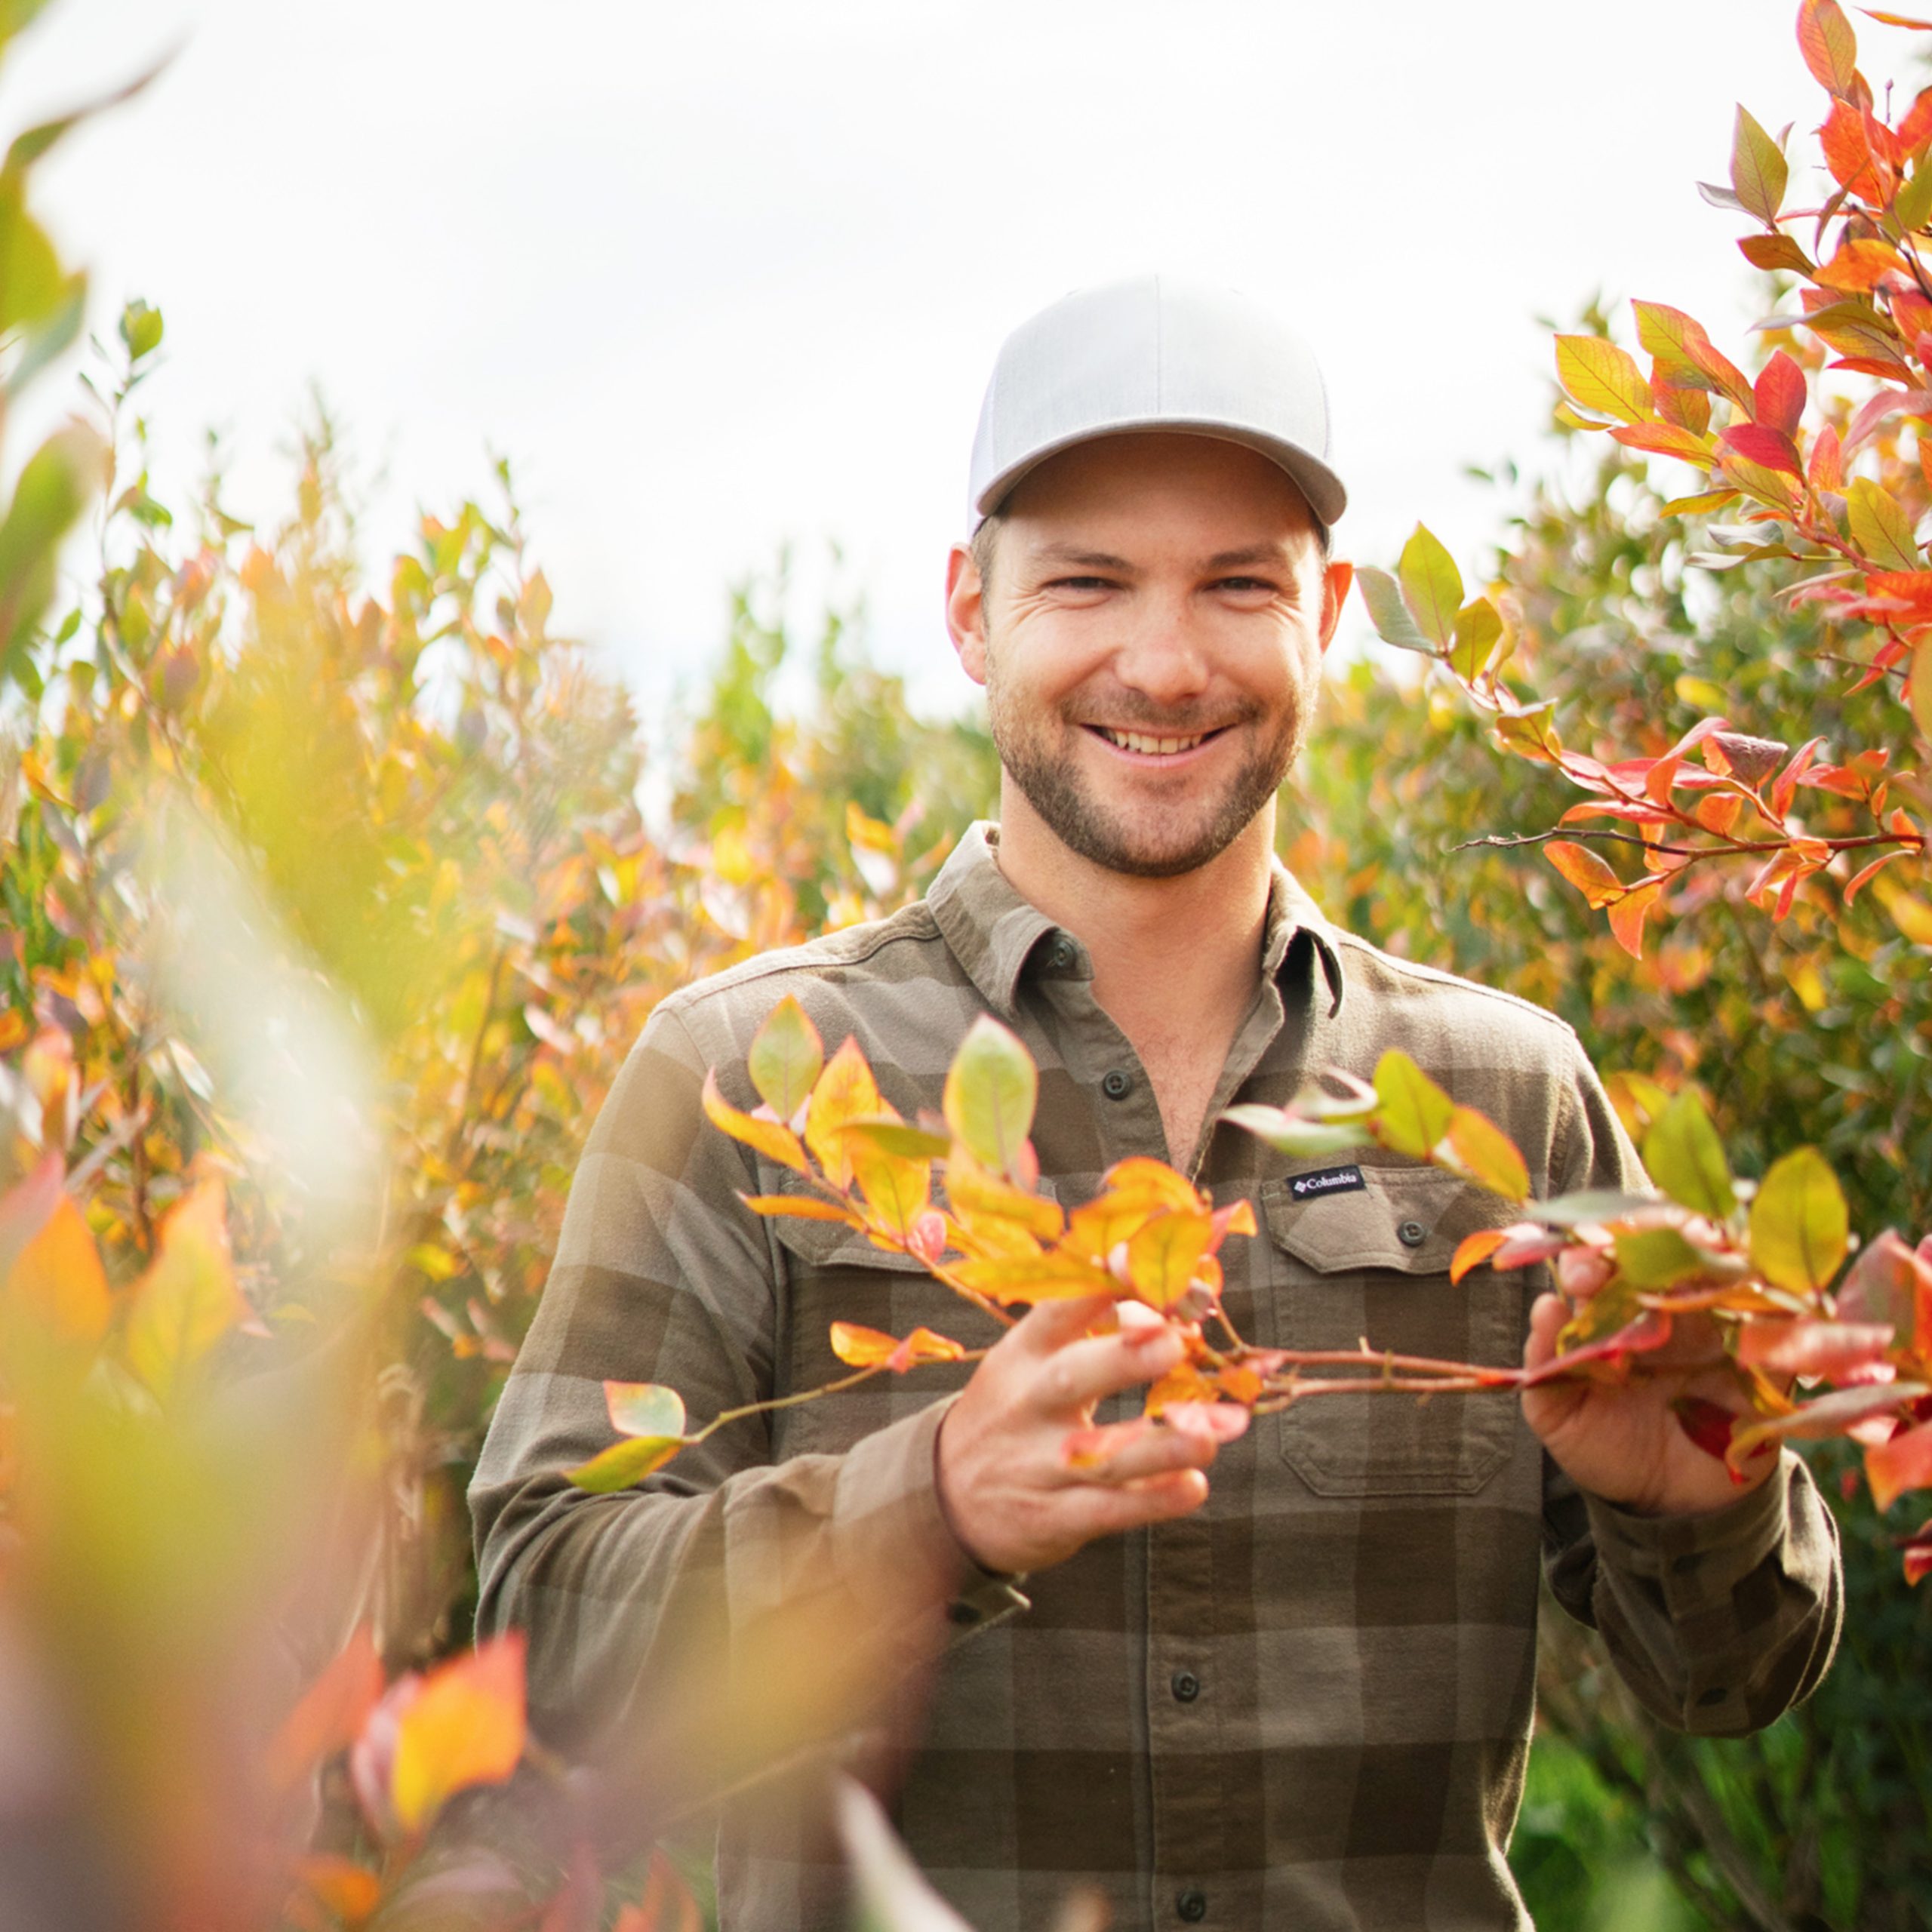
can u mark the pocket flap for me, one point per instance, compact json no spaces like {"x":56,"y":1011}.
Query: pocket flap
{"x":1409,"y":1219}
{"x":832,"y":1245}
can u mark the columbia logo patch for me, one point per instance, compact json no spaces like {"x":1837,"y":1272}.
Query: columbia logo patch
{"x":1330,"y":1180}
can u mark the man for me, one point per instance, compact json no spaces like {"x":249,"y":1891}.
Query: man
{"x":1299,"y":1694}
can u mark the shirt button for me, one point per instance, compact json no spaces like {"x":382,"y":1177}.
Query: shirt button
{"x":962,"y":1613}
{"x":1186,"y":1686}
{"x":1192,"y":1905}
{"x":1062,"y":954}
{"x":1412,"y":1234}
{"x":1116,"y":1084}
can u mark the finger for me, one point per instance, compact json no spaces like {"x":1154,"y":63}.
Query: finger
{"x":1049,"y":1325}
{"x":1548,"y":1313}
{"x":1093,"y":1509}
{"x":1130,"y":1452}
{"x":1080,"y":1373}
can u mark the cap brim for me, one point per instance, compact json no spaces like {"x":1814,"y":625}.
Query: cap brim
{"x":1316,"y":481}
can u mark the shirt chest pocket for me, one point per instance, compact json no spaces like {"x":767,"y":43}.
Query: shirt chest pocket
{"x":832,"y":1274}
{"x":1372,"y":1262}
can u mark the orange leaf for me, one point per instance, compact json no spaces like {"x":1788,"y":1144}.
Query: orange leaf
{"x":667,"y":1905}
{"x":187,"y":1299}
{"x":1183,"y":1382}
{"x":866,"y":1348}
{"x":1828,"y":44}
{"x":775,"y":1141}
{"x":59,"y":1276}
{"x":1904,"y":1462}
{"x":330,"y":1711}
{"x":1474,"y":1249}
{"x":1628,"y":914}
{"x":1858,"y":265}
{"x":465,"y":1726}
{"x":799,"y":1208}
{"x":1486,"y":1155}
{"x":349,"y":1890}
{"x":1591,"y":876}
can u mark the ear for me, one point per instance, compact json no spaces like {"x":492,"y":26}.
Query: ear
{"x":966,"y":611}
{"x":1335,"y":579}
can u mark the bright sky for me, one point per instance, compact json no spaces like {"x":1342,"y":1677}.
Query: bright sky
{"x":718,"y":276}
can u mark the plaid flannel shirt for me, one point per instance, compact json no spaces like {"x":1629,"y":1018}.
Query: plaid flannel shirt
{"x":1309,"y":1705}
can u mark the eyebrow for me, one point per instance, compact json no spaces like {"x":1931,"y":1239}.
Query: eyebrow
{"x":1274,"y":555}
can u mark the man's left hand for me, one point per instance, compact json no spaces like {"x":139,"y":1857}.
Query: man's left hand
{"x":1619,"y":1440}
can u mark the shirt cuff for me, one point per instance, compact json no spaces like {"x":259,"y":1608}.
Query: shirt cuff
{"x":1696,"y":1560}
{"x":888,"y":1522}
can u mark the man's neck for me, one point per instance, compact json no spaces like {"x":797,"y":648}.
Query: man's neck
{"x":1176,"y":960}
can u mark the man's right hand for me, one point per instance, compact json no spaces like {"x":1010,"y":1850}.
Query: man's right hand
{"x":1013,"y":1499}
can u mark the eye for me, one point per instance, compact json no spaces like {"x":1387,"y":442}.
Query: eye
{"x":1082,"y":583}
{"x":1245,"y":586}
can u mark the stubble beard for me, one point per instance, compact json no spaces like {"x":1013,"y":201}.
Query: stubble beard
{"x":1040,"y":762}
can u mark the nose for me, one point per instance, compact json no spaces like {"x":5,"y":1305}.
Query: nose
{"x":1161,"y":654}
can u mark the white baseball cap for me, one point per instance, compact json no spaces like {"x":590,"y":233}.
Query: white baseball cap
{"x":1157,"y":352}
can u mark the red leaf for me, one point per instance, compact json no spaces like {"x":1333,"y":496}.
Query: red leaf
{"x":1915,"y":130}
{"x":1918,"y":1549}
{"x":1827,"y":467}
{"x":1911,"y":590}
{"x":1707,"y":1424}
{"x":1769,"y":449}
{"x":1780,"y":393}
{"x":1599,"y":885}
{"x":1802,"y":1346}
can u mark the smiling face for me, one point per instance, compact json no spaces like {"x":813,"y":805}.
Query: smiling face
{"x":1150,"y":643}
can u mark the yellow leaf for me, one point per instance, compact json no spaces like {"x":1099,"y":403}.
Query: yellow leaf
{"x":1596,"y":374}
{"x":1163,"y":1257}
{"x":187,"y":1299}
{"x":775,"y":1141}
{"x":464,"y":1727}
{"x":1413,"y":1113}
{"x":845,"y":1091}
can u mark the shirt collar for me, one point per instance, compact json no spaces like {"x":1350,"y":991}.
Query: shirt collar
{"x":992,"y":931}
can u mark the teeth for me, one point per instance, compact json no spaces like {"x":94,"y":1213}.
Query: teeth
{"x":1138,"y":741}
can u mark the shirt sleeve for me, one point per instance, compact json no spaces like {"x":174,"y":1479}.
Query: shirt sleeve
{"x":696,"y":1585}
{"x":1720,"y":1622}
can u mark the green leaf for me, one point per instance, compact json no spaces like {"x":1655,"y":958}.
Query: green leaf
{"x":645,"y":1408}
{"x":1478,"y":625}
{"x":1431,"y":587}
{"x":786,"y":1058}
{"x":1879,"y":526}
{"x":625,"y":1463}
{"x":1300,"y":1138}
{"x":1388,"y":613}
{"x":1799,"y":1226}
{"x":1595,"y":1204}
{"x":991,"y":1088}
{"x":140,"y":329}
{"x":1656,"y":1257}
{"x":1913,"y":206}
{"x":1685,"y":1158}
{"x":894,"y":1137}
{"x":1414,"y":1113}
{"x":1758,"y":170}
{"x":53,"y":489}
